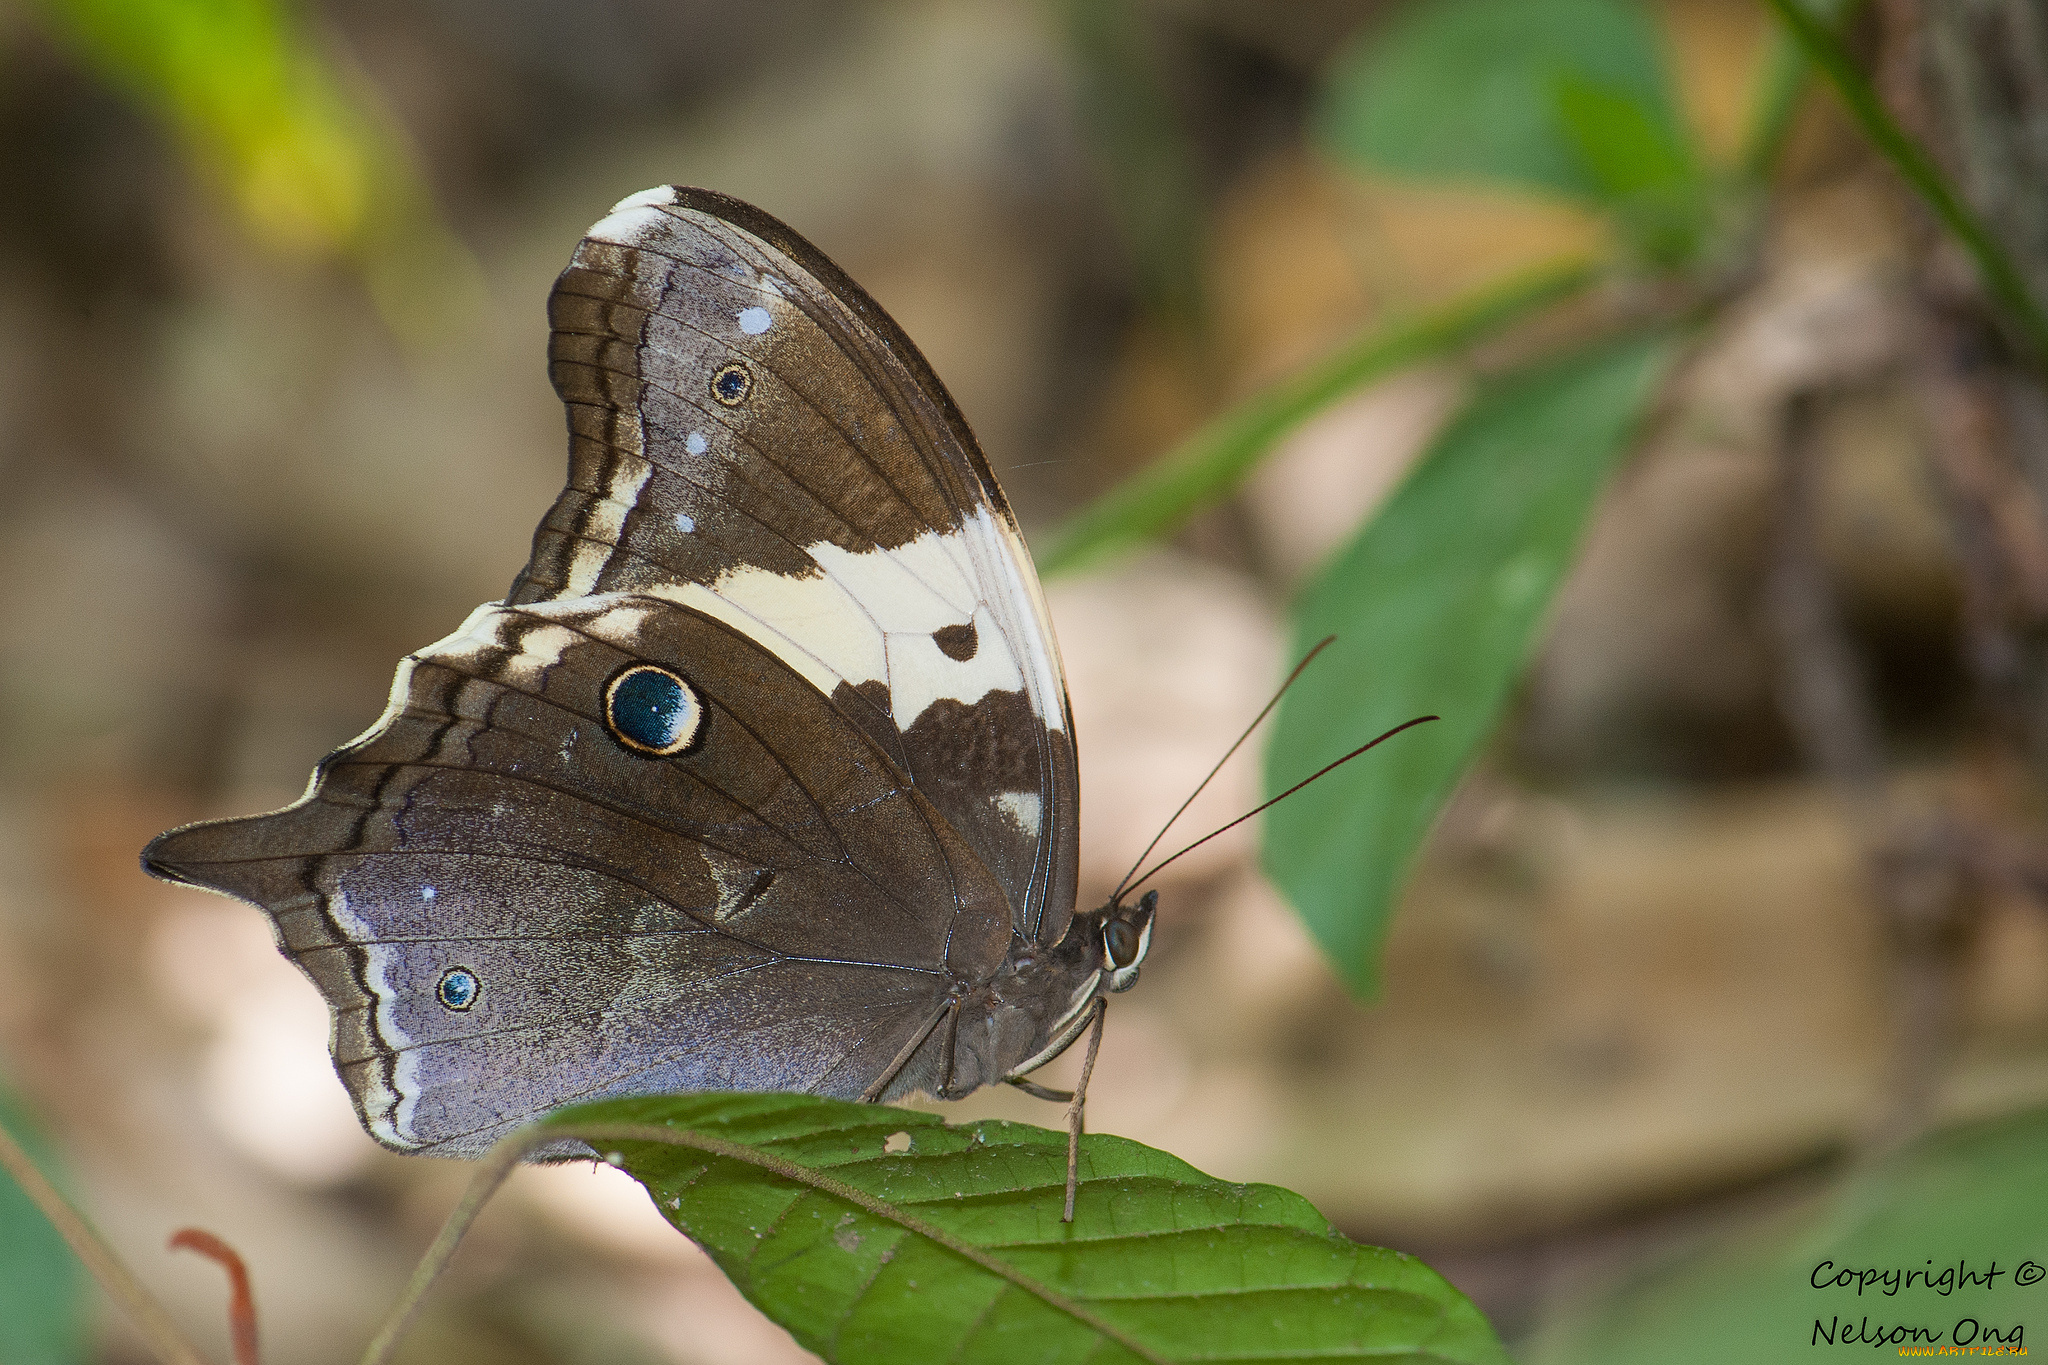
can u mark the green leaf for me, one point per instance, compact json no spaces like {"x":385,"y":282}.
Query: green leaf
{"x":42,"y":1286}
{"x":1651,"y":179}
{"x":1975,"y":1196}
{"x":1624,"y":151}
{"x":1468,"y":89}
{"x":950,"y":1246}
{"x":1435,"y":606}
{"x":1216,"y":459}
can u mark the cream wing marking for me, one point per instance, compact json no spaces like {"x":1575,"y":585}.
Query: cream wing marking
{"x":972,"y":574}
{"x":387,"y":1108}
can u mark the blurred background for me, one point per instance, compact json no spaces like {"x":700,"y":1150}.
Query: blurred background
{"x":1684,"y":946}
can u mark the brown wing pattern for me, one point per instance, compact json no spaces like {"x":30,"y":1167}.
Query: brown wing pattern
{"x":829,"y":500}
{"x":774,"y":909}
{"x":512,"y":902}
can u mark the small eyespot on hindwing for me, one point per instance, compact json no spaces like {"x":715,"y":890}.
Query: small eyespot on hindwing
{"x":732,"y":384}
{"x":458,"y":989}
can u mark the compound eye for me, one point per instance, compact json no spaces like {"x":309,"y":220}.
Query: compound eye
{"x":1121,"y":941}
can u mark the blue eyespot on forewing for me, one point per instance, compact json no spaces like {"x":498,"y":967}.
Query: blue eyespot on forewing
{"x":652,"y":711}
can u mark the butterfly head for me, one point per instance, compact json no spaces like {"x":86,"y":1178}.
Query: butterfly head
{"x":1126,"y":937}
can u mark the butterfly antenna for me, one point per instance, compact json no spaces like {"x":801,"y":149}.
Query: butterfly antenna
{"x":1265,"y":805}
{"x":1306,"y":660}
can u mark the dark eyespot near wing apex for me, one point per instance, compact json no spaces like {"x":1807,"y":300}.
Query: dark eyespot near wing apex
{"x":957,"y":642}
{"x":731,"y":384}
{"x":652,"y":711}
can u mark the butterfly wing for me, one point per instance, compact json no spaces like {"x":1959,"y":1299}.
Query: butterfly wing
{"x":511,"y":902}
{"x":750,"y":433}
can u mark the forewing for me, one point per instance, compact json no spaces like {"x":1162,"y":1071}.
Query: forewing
{"x":751,"y":435}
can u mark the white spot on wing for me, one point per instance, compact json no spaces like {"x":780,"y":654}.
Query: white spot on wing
{"x":539,"y":650}
{"x":868,"y":618}
{"x":1001,"y":561}
{"x":754,"y":321}
{"x":478,"y":631}
{"x":1022,"y":808}
{"x":628,"y":227}
{"x":612,"y":617}
{"x":685,"y":523}
{"x":657,"y":194}
{"x":917,"y":586}
{"x":585,"y":567}
{"x":695,"y":443}
{"x":808,"y":623}
{"x":635,"y":217}
{"x":427,"y":893}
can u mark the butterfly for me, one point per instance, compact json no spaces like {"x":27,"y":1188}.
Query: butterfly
{"x":760,"y":777}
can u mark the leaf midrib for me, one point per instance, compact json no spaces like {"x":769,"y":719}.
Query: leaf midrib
{"x":817,"y":1180}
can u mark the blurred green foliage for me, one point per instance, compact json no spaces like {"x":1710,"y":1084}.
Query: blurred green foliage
{"x":42,"y":1286}
{"x":1563,"y":96}
{"x":881,"y":1235}
{"x":1820,"y":43}
{"x":1435,"y":606}
{"x":302,"y":146}
{"x":1147,"y":161}
{"x":1568,"y":98}
{"x":1976,"y":1196}
{"x":1171,"y":489}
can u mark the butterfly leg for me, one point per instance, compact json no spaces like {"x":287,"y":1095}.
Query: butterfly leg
{"x":946,"y":1053}
{"x":906,"y":1052}
{"x":1074,"y":1111}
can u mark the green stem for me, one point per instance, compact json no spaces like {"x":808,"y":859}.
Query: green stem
{"x":149,"y":1316}
{"x":1778,"y":87}
{"x":2000,"y":276}
{"x":1779,"y":84}
{"x":492,"y":1171}
{"x":1214,"y":459}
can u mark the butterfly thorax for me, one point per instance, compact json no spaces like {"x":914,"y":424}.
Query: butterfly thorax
{"x":1038,"y":1001}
